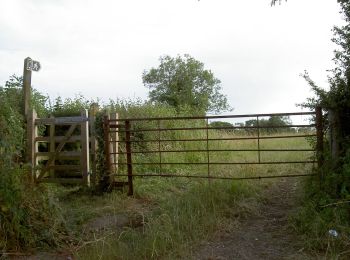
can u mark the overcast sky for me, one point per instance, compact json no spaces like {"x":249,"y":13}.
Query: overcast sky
{"x":100,"y":48}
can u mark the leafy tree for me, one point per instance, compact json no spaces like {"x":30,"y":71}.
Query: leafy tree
{"x":270,"y":123}
{"x":225,"y":126}
{"x":13,"y":94}
{"x":183,"y":81}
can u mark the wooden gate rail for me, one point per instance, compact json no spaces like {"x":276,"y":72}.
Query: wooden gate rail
{"x":127,"y":131}
{"x":46,"y":172}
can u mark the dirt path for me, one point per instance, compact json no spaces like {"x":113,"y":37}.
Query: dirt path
{"x":266,"y":235}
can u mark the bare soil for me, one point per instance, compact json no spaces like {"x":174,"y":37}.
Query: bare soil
{"x":265,"y":235}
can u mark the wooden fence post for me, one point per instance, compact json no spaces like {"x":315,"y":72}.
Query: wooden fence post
{"x":32,"y":146}
{"x":27,"y":78}
{"x":319,"y":136}
{"x":85,"y":158}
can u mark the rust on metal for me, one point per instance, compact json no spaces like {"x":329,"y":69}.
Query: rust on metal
{"x":220,"y":139}
{"x":258,"y":129}
{"x":220,"y":177}
{"x":213,"y":117}
{"x":213,"y":128}
{"x":107,"y":148}
{"x":221,"y":150}
{"x":152,"y":134}
{"x":128,"y":158}
{"x":218,"y":163}
{"x":159,"y":149}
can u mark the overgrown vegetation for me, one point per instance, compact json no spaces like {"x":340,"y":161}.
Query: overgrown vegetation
{"x":29,"y":216}
{"x":183,"y":214}
{"x":327,"y":206}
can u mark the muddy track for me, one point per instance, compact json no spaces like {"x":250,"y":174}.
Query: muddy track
{"x":265,"y":235}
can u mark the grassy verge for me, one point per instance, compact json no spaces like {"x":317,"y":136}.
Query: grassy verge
{"x":324,"y":222}
{"x":169,"y":217}
{"x":182,"y":214}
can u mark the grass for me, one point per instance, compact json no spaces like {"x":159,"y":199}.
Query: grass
{"x":219,"y":156}
{"x":318,"y":215}
{"x":182,"y":215}
{"x":169,"y":217}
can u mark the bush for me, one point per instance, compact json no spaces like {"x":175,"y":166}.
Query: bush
{"x":28,"y":215}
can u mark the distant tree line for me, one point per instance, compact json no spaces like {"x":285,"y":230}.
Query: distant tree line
{"x":271,"y":125}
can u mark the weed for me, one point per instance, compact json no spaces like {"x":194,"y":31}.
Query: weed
{"x":183,"y":214}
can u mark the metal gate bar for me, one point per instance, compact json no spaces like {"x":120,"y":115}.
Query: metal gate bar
{"x":132,"y":136}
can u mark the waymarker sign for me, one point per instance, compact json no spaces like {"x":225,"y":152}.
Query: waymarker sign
{"x":29,"y":66}
{"x":32,"y":65}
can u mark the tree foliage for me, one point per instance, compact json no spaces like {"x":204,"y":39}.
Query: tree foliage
{"x":11,"y":117}
{"x":183,"y":81}
{"x":337,"y":99}
{"x":274,"y":124}
{"x":222,"y":124}
{"x":334,"y":189}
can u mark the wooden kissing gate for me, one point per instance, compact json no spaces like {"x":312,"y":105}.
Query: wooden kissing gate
{"x":65,"y":158}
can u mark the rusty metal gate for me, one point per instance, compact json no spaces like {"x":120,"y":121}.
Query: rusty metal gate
{"x":202,"y":147}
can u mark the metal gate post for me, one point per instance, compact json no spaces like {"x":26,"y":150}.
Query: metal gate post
{"x":258,"y":126}
{"x":319,"y":142}
{"x":128,"y":157}
{"x":108,"y":166}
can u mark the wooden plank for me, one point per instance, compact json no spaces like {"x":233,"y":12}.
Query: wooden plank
{"x":74,"y":155}
{"x":61,"y":120}
{"x":69,"y":174}
{"x":65,"y":167}
{"x":58,"y":139}
{"x":58,"y":149}
{"x":85,"y":157}
{"x":63,"y":180}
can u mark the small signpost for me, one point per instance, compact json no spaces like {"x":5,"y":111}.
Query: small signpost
{"x":33,"y":65}
{"x":29,"y":66}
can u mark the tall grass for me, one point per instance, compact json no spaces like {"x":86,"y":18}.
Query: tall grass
{"x":183,"y":154}
{"x":324,"y":209}
{"x":183,"y":211}
{"x":184,"y":215}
